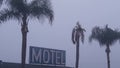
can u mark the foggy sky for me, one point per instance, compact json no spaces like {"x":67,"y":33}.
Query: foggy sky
{"x":89,"y":13}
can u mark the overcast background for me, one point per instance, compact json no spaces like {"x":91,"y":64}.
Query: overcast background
{"x":58,"y":36}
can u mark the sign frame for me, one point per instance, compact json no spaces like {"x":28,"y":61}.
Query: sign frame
{"x":47,"y":56}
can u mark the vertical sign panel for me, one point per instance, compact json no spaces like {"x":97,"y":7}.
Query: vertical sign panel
{"x":45,"y":56}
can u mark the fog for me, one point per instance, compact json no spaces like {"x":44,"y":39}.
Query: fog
{"x":89,"y":13}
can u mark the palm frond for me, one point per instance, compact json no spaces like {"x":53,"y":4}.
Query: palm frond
{"x":104,"y":35}
{"x":18,"y":5}
{"x":82,"y":37}
{"x":40,"y":3}
{"x":77,"y":36}
{"x":81,"y":32}
{"x":78,"y":33}
{"x":7,"y":14}
{"x":73,"y":36}
{"x":42,"y":8}
{"x":96,"y":31}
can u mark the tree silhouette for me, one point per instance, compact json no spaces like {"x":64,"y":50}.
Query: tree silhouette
{"x":77,"y":33}
{"x":105,"y":36}
{"x":23,"y":12}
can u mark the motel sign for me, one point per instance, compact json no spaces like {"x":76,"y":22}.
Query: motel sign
{"x":45,"y":56}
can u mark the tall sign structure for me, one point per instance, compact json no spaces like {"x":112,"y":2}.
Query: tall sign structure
{"x":45,"y":56}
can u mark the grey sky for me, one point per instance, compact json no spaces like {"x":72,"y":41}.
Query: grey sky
{"x":58,"y":36}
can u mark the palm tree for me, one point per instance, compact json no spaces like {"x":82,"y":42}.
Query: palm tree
{"x":23,"y":11}
{"x":77,"y":33}
{"x":105,"y":36}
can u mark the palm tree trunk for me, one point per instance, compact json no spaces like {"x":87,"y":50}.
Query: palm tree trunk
{"x":24,"y":41}
{"x":77,"y":55}
{"x":108,"y":55}
{"x":24,"y":31}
